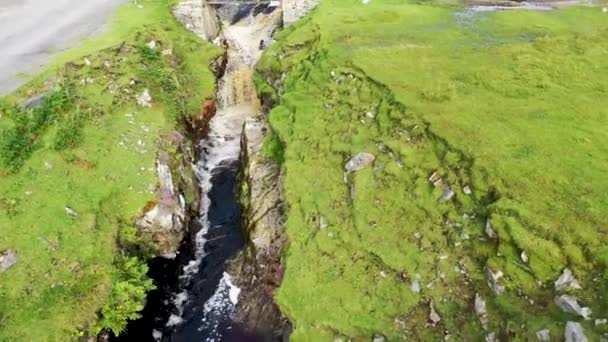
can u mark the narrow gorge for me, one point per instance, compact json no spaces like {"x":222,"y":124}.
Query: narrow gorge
{"x":215,"y":287}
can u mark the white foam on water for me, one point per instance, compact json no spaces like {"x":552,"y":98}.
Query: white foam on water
{"x":219,"y":307}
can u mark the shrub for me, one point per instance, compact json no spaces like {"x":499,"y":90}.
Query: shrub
{"x":128,"y":296}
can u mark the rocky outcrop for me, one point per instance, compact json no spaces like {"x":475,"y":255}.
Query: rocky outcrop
{"x":296,"y":9}
{"x":259,"y":269}
{"x":163,"y":224}
{"x":198,"y":17}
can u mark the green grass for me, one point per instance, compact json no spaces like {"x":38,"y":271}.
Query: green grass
{"x":512,"y":104}
{"x":95,"y":155}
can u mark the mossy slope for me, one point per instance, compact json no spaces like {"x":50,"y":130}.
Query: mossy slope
{"x":83,"y":175}
{"x":509,"y":104}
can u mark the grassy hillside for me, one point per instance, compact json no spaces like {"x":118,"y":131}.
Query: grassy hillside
{"x":511,"y":105}
{"x":76,"y":171}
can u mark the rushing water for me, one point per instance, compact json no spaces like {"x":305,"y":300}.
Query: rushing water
{"x":197,"y":299}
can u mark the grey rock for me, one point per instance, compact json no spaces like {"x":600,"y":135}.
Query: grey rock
{"x":145,"y":99}
{"x":379,"y":338}
{"x":33,"y":102}
{"x":570,"y":304}
{"x":524,"y":257}
{"x":574,"y":332}
{"x":436,"y":179}
{"x":447,"y":195}
{"x":494,"y":281}
{"x":481,"y":310}
{"x":467,"y":190}
{"x":491,"y":337}
{"x":566,"y":279}
{"x":359,"y":161}
{"x":8,"y":259}
{"x":416,"y":284}
{"x":490,"y":232}
{"x":71,"y":212}
{"x":543,"y":335}
{"x":601,"y":321}
{"x":433,"y":316}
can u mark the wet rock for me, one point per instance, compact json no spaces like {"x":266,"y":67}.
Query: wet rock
{"x":490,"y":232}
{"x":434,"y":317}
{"x":494,"y":281}
{"x":8,"y":259}
{"x":145,"y":99}
{"x":543,"y":335}
{"x":566,"y":279}
{"x":570,"y":304}
{"x":481,"y":310}
{"x":574,"y":332}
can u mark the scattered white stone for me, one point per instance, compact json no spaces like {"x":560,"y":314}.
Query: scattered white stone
{"x":416,"y":284}
{"x":605,"y":10}
{"x":491,"y":337}
{"x":436,"y":179}
{"x":418,"y":235}
{"x":543,"y":335}
{"x":167,"y":52}
{"x":601,"y":321}
{"x":152,"y":44}
{"x":365,"y":2}
{"x":107,"y":64}
{"x":433,"y":316}
{"x":467,"y":190}
{"x":370,"y":115}
{"x":70,"y":212}
{"x":490,"y":232}
{"x":524,"y":257}
{"x":87,"y":62}
{"x":574,"y":332}
{"x":566,"y":279}
{"x":145,"y":99}
{"x":383,"y":274}
{"x":570,"y":304}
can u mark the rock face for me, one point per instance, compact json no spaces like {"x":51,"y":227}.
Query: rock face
{"x":198,"y":18}
{"x":163,"y":224}
{"x":296,"y":9}
{"x":259,"y":269}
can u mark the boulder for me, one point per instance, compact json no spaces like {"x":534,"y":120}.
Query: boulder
{"x":359,"y":161}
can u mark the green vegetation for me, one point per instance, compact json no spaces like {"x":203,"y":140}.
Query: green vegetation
{"x":511,"y":104}
{"x":79,"y":168}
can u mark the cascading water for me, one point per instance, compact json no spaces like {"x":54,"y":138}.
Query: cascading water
{"x":199,"y":303}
